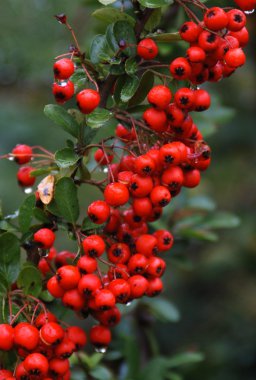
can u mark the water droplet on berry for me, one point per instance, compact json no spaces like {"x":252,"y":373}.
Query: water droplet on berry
{"x":249,"y":12}
{"x":101,"y":350}
{"x":63,"y":83}
{"x":128,"y":303}
{"x":11,"y":158}
{"x":28,"y":190}
{"x":105,"y":170}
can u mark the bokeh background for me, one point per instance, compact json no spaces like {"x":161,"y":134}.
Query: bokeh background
{"x":215,"y":289}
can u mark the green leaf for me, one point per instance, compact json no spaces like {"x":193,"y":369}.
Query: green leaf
{"x":42,"y":171}
{"x":9,"y":248}
{"x":26,"y":213}
{"x":154,"y":20}
{"x":30,"y":280}
{"x":202,"y":203}
{"x":101,"y":373}
{"x":155,"y":3}
{"x":185,"y":358}
{"x":131,"y":66}
{"x":221,"y":220}
{"x":66,"y":199}
{"x":162,"y":309}
{"x":66,"y":157}
{"x":88,"y":225}
{"x":146,"y":83}
{"x":199,"y":234}
{"x":79,"y":79}
{"x":62,"y":118}
{"x":98,"y":118}
{"x":100,"y":50}
{"x":40,"y":215}
{"x":155,"y":369}
{"x":91,"y":361}
{"x":122,"y":31}
{"x":9,"y":272}
{"x":166,"y":37}
{"x":130,"y":87}
{"x":131,"y":352}
{"x":106,"y":2}
{"x":109,"y":15}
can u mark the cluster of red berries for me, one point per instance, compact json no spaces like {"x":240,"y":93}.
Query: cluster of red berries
{"x":64,"y":89}
{"x":122,"y":260}
{"x":216,"y":44}
{"x":42,"y":348}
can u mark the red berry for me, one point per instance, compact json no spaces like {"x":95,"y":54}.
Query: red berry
{"x":202,"y":100}
{"x":6,"y":337}
{"x":156,"y":266}
{"x":24,"y":176}
{"x":242,"y":36}
{"x":36,"y":365}
{"x":191,"y":178}
{"x":116,"y":194}
{"x":180,"y":68}
{"x":51,"y":333}
{"x":169,"y":154}
{"x":246,"y":5}
{"x":175,"y":115}
{"x":88,"y":284}
{"x":155,"y":287}
{"x":22,"y":154}
{"x":144,"y":165}
{"x":45,"y":237}
{"x":137,"y":264}
{"x":119,"y":253}
{"x":142,"y":206}
{"x":100,"y":336}
{"x":164,"y":240}
{"x":235,"y":58}
{"x":120,"y":289}
{"x":103,"y":158}
{"x":44,"y":318}
{"x":185,"y":98}
{"x":63,"y":91}
{"x":160,"y":196}
{"x":68,"y":276}
{"x":172,"y":178}
{"x":118,"y":271}
{"x":20,"y":372}
{"x":99,"y":212}
{"x":140,"y":186}
{"x":156,"y":119}
{"x":139,"y":285}
{"x":73,"y":299}
{"x":195,"y":54}
{"x":147,"y":49}
{"x":236,"y":20}
{"x":146,"y":245}
{"x":160,"y":96}
{"x":26,"y":336}
{"x":58,"y":367}
{"x":63,"y":68}
{"x":88,"y":100}
{"x":77,"y":336}
{"x":54,"y":288}
{"x":109,"y":318}
{"x":189,"y":31}
{"x":93,"y":246}
{"x":208,"y":41}
{"x":215,"y":18}
{"x":64,"y":258}
{"x":87,"y":264}
{"x":65,"y":349}
{"x":5,"y":374}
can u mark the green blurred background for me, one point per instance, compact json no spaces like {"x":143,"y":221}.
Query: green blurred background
{"x":216,"y":291}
